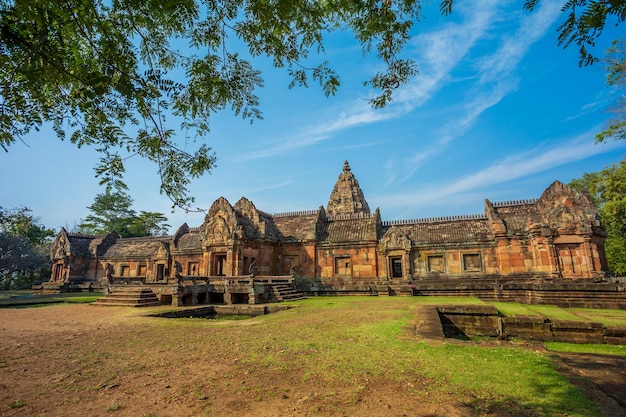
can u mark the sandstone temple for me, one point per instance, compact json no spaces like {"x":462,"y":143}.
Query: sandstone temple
{"x":242,"y":255}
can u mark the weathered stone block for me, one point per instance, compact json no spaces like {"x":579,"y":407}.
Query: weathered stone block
{"x":577,"y":332}
{"x":528,"y":328}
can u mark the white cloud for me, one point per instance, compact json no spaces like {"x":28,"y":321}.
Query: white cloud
{"x":517,"y":166}
{"x":438,"y":52}
{"x":496,"y":76}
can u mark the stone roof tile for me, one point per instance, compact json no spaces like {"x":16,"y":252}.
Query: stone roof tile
{"x":145,"y":247}
{"x":349,"y":230}
{"x":516,"y":217}
{"x":190,"y":240}
{"x":297,"y":226}
{"x":439,"y":232}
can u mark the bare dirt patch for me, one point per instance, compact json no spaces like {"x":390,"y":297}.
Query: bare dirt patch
{"x":602,"y":378}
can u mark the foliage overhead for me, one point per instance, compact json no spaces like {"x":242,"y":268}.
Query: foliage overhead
{"x":113,"y":74}
{"x":111,"y":211}
{"x":608,"y":190}
{"x":584,"y":23}
{"x":616,"y":78}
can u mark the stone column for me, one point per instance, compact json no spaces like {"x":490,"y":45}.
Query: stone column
{"x":555,"y":269}
{"x":586,"y":245}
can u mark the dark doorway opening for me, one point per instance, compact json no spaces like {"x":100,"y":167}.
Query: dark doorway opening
{"x":239,"y":298}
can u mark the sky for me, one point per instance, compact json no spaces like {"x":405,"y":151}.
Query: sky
{"x":498,"y":111}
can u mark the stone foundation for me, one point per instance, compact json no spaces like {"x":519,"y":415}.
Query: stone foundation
{"x":484,"y":321}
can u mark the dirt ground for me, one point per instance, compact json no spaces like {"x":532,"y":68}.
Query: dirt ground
{"x":73,"y":360}
{"x":601,"y":377}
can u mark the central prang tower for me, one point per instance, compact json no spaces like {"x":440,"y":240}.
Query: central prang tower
{"x":347,"y":196}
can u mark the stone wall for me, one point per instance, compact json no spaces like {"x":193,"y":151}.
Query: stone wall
{"x":485,"y":321}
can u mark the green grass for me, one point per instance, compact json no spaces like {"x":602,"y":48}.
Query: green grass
{"x":114,"y":407}
{"x":513,"y":309}
{"x":606,"y":317}
{"x":449,"y":301}
{"x":83,"y":298}
{"x":334,"y":346}
{"x":28,"y":299}
{"x":617,"y":350}
{"x":363,"y":338}
{"x":555,"y":313}
{"x":17,"y":404}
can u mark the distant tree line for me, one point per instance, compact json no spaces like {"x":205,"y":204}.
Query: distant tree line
{"x":111,"y":211}
{"x":608,"y":190}
{"x":25,"y":243}
{"x":24,"y":248}
{"x":608,"y":186}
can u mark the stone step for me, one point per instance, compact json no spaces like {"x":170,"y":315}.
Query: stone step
{"x":428,"y":324}
{"x":285,"y":292}
{"x":138,"y":303}
{"x":130,"y":297}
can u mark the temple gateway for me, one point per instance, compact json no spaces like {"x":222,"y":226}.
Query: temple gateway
{"x":242,"y":255}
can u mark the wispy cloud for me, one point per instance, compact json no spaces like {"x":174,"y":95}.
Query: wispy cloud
{"x":496,"y":77}
{"x":361,"y":114}
{"x":514,"y":167}
{"x":270,"y":187}
{"x":439,"y":52}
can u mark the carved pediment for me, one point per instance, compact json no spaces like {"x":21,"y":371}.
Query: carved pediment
{"x":61,"y":246}
{"x":162,"y":253}
{"x":220,"y":223}
{"x":247,"y":209}
{"x":566,"y":211}
{"x":253,"y":224}
{"x":395,"y":239}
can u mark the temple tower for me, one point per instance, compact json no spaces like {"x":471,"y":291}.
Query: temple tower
{"x":347,"y":196}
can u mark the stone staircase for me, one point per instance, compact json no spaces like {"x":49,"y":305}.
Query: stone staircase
{"x":129,"y":297}
{"x":284,"y":292}
{"x":428,"y":323}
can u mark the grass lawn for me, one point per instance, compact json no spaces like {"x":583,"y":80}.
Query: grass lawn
{"x":27,"y":298}
{"x":327,"y":355}
{"x":348,"y":339}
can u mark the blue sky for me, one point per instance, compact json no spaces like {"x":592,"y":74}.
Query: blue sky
{"x":498,"y":111}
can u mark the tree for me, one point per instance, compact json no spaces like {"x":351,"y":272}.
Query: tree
{"x":608,"y":190}
{"x":20,"y":222}
{"x":616,"y":78}
{"x":18,"y":257}
{"x":106,"y":73}
{"x":24,"y":244}
{"x":111,"y":211}
{"x":584,"y":23}
{"x":149,"y":223}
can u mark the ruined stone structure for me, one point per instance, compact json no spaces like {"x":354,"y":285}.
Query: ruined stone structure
{"x":240,"y":253}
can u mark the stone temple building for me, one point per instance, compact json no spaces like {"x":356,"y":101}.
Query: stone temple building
{"x":239,"y":251}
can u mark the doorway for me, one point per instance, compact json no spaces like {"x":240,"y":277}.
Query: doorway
{"x":219,"y":266}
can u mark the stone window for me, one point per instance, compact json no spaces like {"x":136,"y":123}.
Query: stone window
{"x":436,"y":263}
{"x":471,"y":262}
{"x":124,"y":271}
{"x":193,"y":269}
{"x":396,"y":267}
{"x":343,"y":266}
